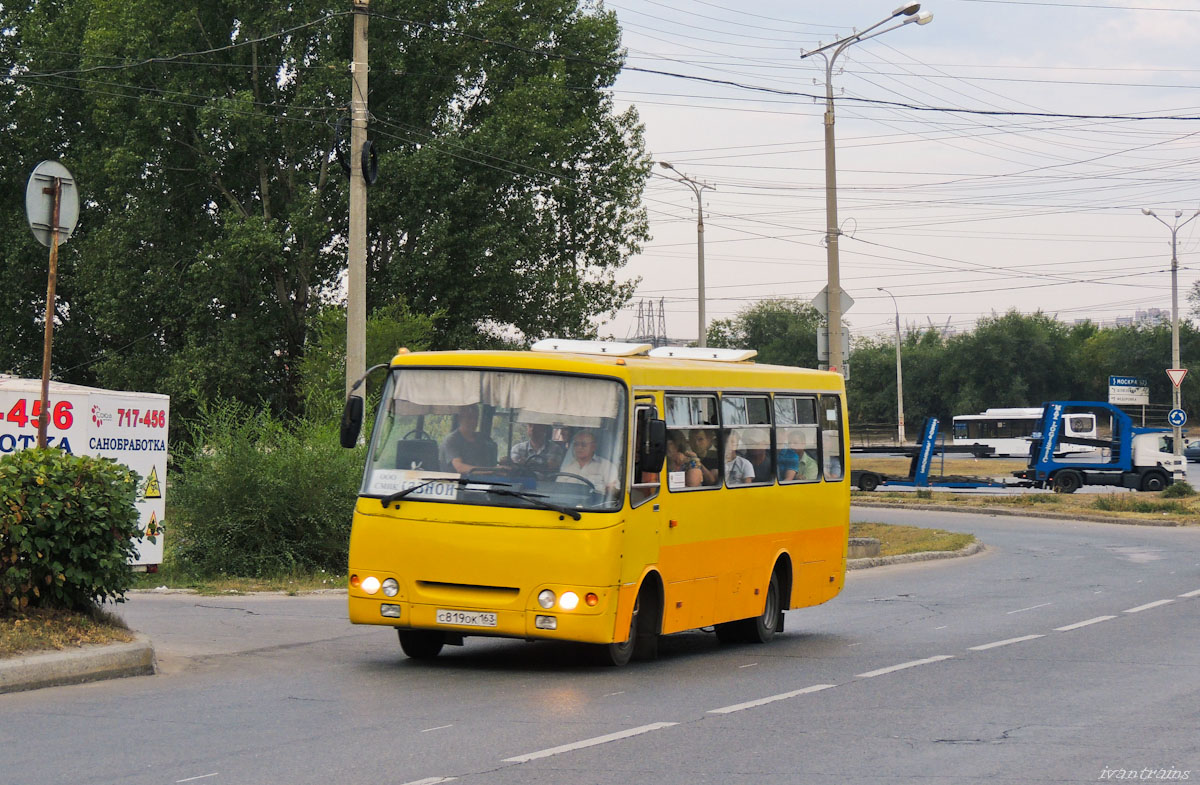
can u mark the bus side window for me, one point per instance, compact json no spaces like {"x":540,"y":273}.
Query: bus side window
{"x":831,"y":437}
{"x":692,"y":442}
{"x":797,"y":436}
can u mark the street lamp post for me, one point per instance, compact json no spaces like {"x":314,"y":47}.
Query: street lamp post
{"x":899,"y":375}
{"x":1175,"y":394}
{"x":834,"y":297}
{"x":697,"y":186}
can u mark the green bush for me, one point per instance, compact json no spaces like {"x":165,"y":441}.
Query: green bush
{"x":1180,"y":489}
{"x":67,"y":529}
{"x":254,"y":497}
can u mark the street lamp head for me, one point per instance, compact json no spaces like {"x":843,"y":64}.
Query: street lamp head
{"x":907,"y":10}
{"x":1179,"y":213}
{"x":924,"y":18}
{"x":1148,"y":211}
{"x":666,"y":165}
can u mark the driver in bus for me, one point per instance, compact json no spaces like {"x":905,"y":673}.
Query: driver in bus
{"x":537,"y":452}
{"x":584,"y":463}
{"x":465,"y":449}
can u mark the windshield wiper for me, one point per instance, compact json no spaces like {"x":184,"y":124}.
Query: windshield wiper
{"x":398,"y":495}
{"x":537,"y":500}
{"x":487,"y":486}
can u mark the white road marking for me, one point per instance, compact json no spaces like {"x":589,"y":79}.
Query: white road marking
{"x":1030,"y":608}
{"x":1079,"y":624}
{"x":944,"y":626}
{"x":440,"y":727}
{"x":578,"y":745}
{"x":431,"y":781}
{"x":751,"y":665}
{"x":995,"y":644}
{"x":1195,"y":593}
{"x":903,"y":665}
{"x":201,"y":777}
{"x":771,"y":699}
{"x":1149,"y":605}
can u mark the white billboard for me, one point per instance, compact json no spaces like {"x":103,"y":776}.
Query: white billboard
{"x":128,"y":427}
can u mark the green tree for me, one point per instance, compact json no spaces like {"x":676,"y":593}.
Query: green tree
{"x":213,"y":227}
{"x":784,"y":332}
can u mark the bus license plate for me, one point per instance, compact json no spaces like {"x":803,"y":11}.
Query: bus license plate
{"x":466,"y":618}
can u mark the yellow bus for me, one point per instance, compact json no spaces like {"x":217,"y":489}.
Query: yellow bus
{"x":597,"y":492}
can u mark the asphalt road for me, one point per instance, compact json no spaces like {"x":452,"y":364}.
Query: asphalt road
{"x":1064,"y":652}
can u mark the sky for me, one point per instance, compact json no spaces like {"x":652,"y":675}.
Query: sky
{"x":1029,"y":198}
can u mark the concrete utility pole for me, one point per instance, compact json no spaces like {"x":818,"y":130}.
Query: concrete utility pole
{"x":834,"y":289}
{"x":899,"y":373}
{"x":1176,"y":400}
{"x":697,"y":186}
{"x":356,"y":283}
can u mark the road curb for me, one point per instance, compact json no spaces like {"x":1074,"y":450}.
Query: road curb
{"x":906,"y":558}
{"x":88,"y":663}
{"x":1058,"y":516}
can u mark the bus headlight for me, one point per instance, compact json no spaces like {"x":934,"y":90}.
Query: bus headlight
{"x":546,"y":599}
{"x":569,"y":601}
{"x":390,"y":587}
{"x":370,"y":584}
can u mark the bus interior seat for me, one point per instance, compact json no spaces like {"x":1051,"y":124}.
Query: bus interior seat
{"x":417,"y":454}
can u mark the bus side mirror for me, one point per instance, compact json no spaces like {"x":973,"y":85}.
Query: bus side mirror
{"x":653,"y":449}
{"x":352,"y":417}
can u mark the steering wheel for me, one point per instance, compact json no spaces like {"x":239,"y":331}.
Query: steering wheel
{"x":421,"y":436}
{"x":590,"y":484}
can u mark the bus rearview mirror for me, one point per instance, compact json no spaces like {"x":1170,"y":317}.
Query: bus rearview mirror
{"x":352,"y":417}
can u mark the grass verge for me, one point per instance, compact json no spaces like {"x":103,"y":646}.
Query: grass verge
{"x":898,"y":540}
{"x":45,"y":629}
{"x":174,"y":577}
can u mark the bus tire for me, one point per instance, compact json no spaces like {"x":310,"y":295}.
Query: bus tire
{"x":1153,"y":481}
{"x":1067,"y":482}
{"x":759,"y":629}
{"x":618,"y":654}
{"x":421,"y":644}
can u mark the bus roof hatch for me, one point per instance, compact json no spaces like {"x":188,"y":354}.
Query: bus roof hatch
{"x":608,"y":348}
{"x":698,"y":353}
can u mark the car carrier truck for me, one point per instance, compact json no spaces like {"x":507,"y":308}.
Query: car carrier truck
{"x":1137,"y":458}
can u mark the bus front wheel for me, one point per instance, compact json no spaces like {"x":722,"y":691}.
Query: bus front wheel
{"x":421,"y":644}
{"x":619,"y":654}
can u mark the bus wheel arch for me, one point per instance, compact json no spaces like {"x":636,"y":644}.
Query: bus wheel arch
{"x":645,"y":623}
{"x":764,"y":627}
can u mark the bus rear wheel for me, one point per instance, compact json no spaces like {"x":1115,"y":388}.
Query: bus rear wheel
{"x":759,"y":629}
{"x":421,"y":644}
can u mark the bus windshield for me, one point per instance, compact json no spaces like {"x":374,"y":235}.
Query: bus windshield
{"x":499,"y":438}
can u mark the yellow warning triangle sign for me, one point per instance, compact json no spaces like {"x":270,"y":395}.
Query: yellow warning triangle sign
{"x":153,"y":489}
{"x":152,"y":528}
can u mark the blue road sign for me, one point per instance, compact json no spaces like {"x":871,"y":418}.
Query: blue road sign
{"x":1177,"y":417}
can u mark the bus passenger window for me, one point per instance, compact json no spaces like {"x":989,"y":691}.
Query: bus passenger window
{"x":747,"y":437}
{"x":831,"y":437}
{"x":796,"y":439}
{"x":692,"y":424}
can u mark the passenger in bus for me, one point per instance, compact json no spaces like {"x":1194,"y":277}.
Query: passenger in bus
{"x":584,"y":463}
{"x":705,"y":444}
{"x":795,"y":463}
{"x":537,"y":452}
{"x":738,"y":470}
{"x":465,"y":449}
{"x":681,"y":460}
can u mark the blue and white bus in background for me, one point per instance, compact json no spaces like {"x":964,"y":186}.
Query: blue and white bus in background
{"x":1007,"y":431}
